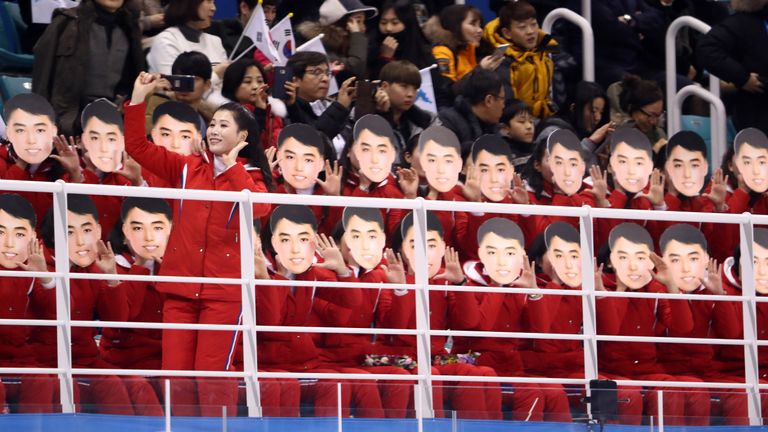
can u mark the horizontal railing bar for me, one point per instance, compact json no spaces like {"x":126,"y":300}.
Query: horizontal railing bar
{"x":30,"y":186}
{"x":518,"y":209}
{"x":670,"y":216}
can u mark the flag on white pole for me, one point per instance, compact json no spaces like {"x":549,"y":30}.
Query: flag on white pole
{"x":316,"y":45}
{"x":2,"y":127}
{"x":282,"y":38}
{"x":257,"y":30}
{"x":425,"y":97}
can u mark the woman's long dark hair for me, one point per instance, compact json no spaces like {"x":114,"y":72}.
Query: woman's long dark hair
{"x":234,"y":74}
{"x":413,"y":46}
{"x":533,"y":176}
{"x":254,"y":152}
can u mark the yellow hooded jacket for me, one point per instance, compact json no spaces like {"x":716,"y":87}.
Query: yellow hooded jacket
{"x":530,"y":71}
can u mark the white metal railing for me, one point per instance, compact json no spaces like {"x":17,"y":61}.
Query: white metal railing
{"x":675,"y":99}
{"x":588,"y":36}
{"x":423,"y":332}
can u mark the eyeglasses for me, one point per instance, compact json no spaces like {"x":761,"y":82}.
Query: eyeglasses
{"x":318,"y":72}
{"x":654,"y":116}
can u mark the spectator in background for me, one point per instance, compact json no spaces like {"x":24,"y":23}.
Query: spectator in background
{"x":641,"y":106}
{"x":517,"y":130}
{"x":477,"y":110}
{"x":187,"y":20}
{"x":89,"y":52}
{"x":401,"y":81}
{"x":527,"y":68}
{"x":733,"y":50}
{"x":345,"y":42}
{"x":585,"y":116}
{"x":456,"y":34}
{"x":244,"y":83}
{"x":151,"y":16}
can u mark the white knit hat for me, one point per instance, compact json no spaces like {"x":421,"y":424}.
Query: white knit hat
{"x":333,"y":10}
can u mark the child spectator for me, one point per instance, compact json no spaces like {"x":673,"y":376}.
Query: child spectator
{"x":197,"y":224}
{"x":401,"y":81}
{"x":527,"y":68}
{"x":307,"y":95}
{"x":202,"y":98}
{"x":186,"y":20}
{"x":538,"y":175}
{"x":517,"y":130}
{"x":456,"y":33}
{"x":345,"y":41}
{"x":586,"y":116}
{"x":88,"y":52}
{"x":477,"y":110}
{"x":245,"y":83}
{"x":32,"y":132}
{"x":504,"y":263}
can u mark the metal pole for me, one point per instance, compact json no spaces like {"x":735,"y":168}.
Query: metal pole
{"x":423,"y":346}
{"x":660,"y":401}
{"x":749,"y":311}
{"x":253,"y":399}
{"x":589,"y":315}
{"x":167,"y":405}
{"x":340,"y":410}
{"x":63,"y":331}
{"x":587,"y":40}
{"x":586,"y":10}
{"x":717,"y":120}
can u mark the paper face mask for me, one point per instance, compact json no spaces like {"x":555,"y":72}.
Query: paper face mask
{"x":686,"y":164}
{"x":630,"y":162}
{"x":565,"y":161}
{"x":501,"y":250}
{"x":15,"y":236}
{"x":103,"y":135}
{"x":176,"y":128}
{"x":439,"y":154}
{"x":147,"y":233}
{"x":374,"y":147}
{"x":684,"y":251}
{"x":31,"y":127}
{"x":751,"y":158}
{"x":435,"y":243}
{"x":760,"y":260}
{"x":300,"y":156}
{"x":364,"y":236}
{"x":631,"y":255}
{"x":293,"y":237}
{"x":564,"y":252}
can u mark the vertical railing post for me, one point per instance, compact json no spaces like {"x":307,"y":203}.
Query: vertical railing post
{"x":250,"y":364}
{"x":749,"y":311}
{"x":718,"y":118}
{"x":588,"y":302}
{"x":423,"y":345}
{"x":587,"y":40}
{"x":586,"y":10}
{"x":63,"y":330}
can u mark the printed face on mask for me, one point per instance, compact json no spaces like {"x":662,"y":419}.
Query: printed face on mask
{"x":147,"y":233}
{"x":84,"y":233}
{"x":565,"y":259}
{"x":760,"y":268}
{"x":631,"y":167}
{"x":31,"y":136}
{"x":687,"y":169}
{"x":502,"y":258}
{"x":294,"y":245}
{"x":568,"y":169}
{"x":176,"y":136}
{"x":752,"y":163}
{"x":299,"y":164}
{"x":375,"y":156}
{"x":496,"y":173}
{"x":365,"y":240}
{"x":435,"y":251}
{"x":104,"y":143}
{"x":441,"y":165}
{"x":632,"y":263}
{"x":687,"y":264}
{"x":15,"y":237}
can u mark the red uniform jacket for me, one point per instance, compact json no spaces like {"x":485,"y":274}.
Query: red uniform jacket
{"x":205,"y":237}
{"x":642,"y":317}
{"x":711,"y":319}
{"x":449,"y":219}
{"x":108,"y":206}
{"x":728,"y":234}
{"x":619,"y":200}
{"x":289,"y":306}
{"x":565,"y":313}
{"x":576,"y":200}
{"x":488,"y":311}
{"x":466,"y":230}
{"x":136,"y":348}
{"x":325,"y":222}
{"x":386,"y":189}
{"x":88,"y":299}
{"x":14,"y":296}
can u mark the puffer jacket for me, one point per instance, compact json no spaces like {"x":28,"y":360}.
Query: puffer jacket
{"x":454,"y":60}
{"x":527,"y":74}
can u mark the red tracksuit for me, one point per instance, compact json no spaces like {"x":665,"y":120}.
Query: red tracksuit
{"x":698,"y":204}
{"x":136,"y":348}
{"x":638,"y":360}
{"x":449,"y":219}
{"x":89,"y":298}
{"x":470,"y":399}
{"x":108,"y":206}
{"x":325,"y":222}
{"x":565,"y":358}
{"x":466,"y":230}
{"x":619,"y":200}
{"x":297,"y":352}
{"x":738,"y":202}
{"x":349,"y":350}
{"x":35,"y":394}
{"x":204,"y":242}
{"x":386,"y":189}
{"x":579,"y":199}
{"x":485,"y":310}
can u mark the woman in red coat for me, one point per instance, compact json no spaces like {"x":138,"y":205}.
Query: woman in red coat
{"x":204,"y":243}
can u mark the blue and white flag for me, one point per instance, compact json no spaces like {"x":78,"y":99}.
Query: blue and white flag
{"x":425,"y":97}
{"x":258,"y":31}
{"x":282,"y":39}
